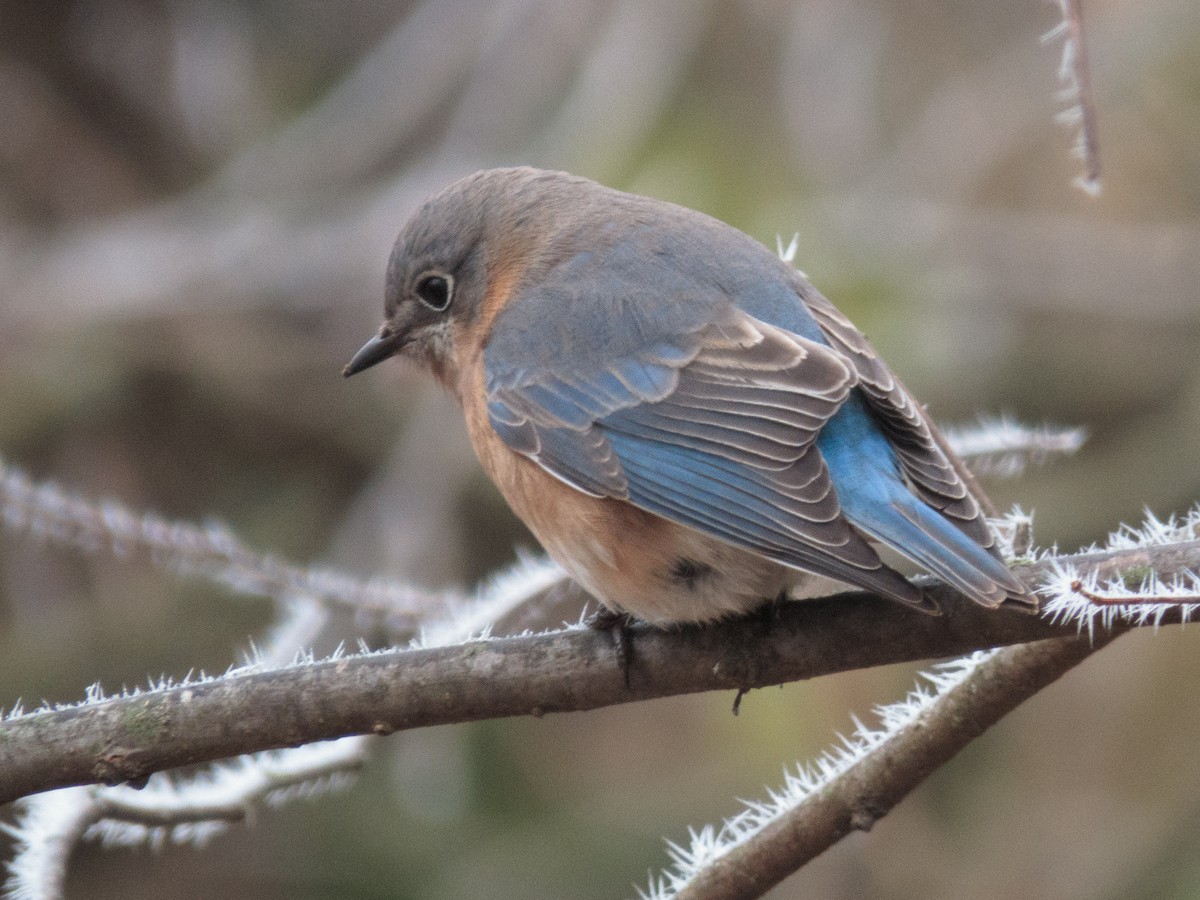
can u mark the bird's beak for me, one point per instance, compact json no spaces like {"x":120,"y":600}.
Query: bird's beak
{"x":384,"y":345}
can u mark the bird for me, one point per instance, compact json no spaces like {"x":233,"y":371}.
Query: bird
{"x":687,"y":426}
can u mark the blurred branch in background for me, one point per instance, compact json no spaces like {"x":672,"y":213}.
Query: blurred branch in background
{"x":1075,"y":73}
{"x":196,"y":203}
{"x":47,"y":513}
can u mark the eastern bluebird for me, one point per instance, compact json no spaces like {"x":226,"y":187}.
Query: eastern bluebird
{"x":688,"y":427}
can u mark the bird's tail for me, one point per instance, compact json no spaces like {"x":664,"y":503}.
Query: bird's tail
{"x":929,"y":539}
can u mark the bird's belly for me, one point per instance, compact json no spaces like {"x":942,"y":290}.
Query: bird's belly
{"x":634,"y":561}
{"x":665,"y":573}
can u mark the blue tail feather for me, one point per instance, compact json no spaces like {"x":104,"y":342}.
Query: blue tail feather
{"x":925,"y":536}
{"x":875,"y":498}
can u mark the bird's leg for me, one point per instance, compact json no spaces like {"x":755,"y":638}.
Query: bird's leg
{"x":765,"y":617}
{"x":618,"y":625}
{"x":771,"y":610}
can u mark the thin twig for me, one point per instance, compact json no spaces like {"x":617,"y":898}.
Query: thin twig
{"x":1089,"y":142}
{"x":1076,"y":76}
{"x":1101,"y":598}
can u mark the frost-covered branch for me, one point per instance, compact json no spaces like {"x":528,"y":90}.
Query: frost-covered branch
{"x":853,"y":785}
{"x":194,"y":808}
{"x":125,"y":738}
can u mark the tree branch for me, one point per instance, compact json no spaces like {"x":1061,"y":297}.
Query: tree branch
{"x":872,"y":783}
{"x":127,"y":738}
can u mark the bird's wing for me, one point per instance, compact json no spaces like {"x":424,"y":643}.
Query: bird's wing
{"x":925,"y":461}
{"x":709,"y":423}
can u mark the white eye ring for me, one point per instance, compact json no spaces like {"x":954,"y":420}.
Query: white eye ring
{"x":435,"y":290}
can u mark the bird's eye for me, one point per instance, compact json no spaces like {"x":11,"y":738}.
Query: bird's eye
{"x":436,"y":291}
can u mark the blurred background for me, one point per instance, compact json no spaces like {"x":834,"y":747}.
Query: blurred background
{"x":197,"y":199}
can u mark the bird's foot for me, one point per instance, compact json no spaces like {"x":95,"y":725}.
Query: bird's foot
{"x":765,"y":618}
{"x":768,"y":615}
{"x":618,"y":625}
